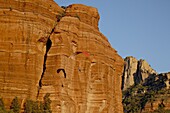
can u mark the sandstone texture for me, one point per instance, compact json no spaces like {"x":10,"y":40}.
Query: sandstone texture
{"x":135,"y":72}
{"x":48,"y":49}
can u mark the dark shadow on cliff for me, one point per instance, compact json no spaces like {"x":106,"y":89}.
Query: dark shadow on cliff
{"x":48,"y":46}
{"x":58,"y":71}
{"x":137,"y":77}
{"x":155,"y":82}
{"x":123,"y":78}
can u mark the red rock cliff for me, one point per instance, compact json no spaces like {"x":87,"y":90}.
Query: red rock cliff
{"x":48,"y":49}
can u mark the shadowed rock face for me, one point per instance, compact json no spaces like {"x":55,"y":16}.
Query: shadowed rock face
{"x":47,"y":49}
{"x":164,"y":96}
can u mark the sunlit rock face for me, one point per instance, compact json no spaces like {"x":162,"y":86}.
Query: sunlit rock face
{"x":135,"y":72}
{"x":25,"y":26}
{"x":48,"y":49}
{"x":130,"y":69}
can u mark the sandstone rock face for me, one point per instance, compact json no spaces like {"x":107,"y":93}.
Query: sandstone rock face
{"x":48,"y":49}
{"x":167,"y":75}
{"x":130,"y":69}
{"x":135,"y":72}
{"x":23,"y":25}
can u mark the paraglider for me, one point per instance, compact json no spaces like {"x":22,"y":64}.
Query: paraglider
{"x":86,"y":53}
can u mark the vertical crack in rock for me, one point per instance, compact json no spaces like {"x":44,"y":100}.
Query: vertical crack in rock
{"x":137,"y":76}
{"x":123,"y":77}
{"x":48,"y":46}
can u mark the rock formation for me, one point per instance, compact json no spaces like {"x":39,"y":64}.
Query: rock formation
{"x":143,"y":82}
{"x":48,"y":49}
{"x":130,"y":69}
{"x":163,"y":96}
{"x":135,"y":72}
{"x":167,"y":75}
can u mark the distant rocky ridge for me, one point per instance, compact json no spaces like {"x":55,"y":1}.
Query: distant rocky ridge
{"x":138,"y":74}
{"x":138,"y":71}
{"x":135,"y":72}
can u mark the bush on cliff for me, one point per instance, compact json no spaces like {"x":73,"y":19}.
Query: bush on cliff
{"x":2,"y":107}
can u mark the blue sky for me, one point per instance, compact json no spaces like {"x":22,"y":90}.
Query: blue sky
{"x":139,"y":28}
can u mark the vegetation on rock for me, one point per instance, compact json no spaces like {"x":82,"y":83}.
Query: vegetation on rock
{"x":47,"y":102}
{"x":136,"y":97}
{"x":2,"y":107}
{"x":30,"y":106}
{"x":15,"y":106}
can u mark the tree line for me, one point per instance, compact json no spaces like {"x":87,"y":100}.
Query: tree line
{"x":30,"y":106}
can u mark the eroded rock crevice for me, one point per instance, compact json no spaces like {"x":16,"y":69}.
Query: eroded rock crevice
{"x":48,"y":46}
{"x":137,"y":76}
{"x":58,"y":71}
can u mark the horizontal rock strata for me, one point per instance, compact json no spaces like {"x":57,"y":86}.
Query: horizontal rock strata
{"x":48,"y":49}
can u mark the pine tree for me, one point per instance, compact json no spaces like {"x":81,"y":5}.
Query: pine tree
{"x":28,"y":106}
{"x":41,"y":108}
{"x":15,"y":105}
{"x":2,"y":107}
{"x":35,"y":107}
{"x":10,"y":111}
{"x":47,"y":102}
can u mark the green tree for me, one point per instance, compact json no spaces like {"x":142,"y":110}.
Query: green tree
{"x":31,"y":107}
{"x":2,"y":107}
{"x":15,"y":106}
{"x":28,"y":106}
{"x":41,"y":108}
{"x":47,"y":104}
{"x":10,"y":111}
{"x":35,"y":107}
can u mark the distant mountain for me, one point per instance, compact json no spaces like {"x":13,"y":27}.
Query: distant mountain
{"x":144,"y":90}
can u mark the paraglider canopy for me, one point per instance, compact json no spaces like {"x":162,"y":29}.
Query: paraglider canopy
{"x":86,"y":53}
